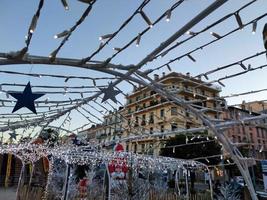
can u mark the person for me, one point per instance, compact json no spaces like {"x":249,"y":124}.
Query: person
{"x":217,"y":186}
{"x":83,"y":183}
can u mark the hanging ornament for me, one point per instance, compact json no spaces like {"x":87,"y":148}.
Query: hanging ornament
{"x":13,"y":135}
{"x":109,"y":93}
{"x":25,"y":99}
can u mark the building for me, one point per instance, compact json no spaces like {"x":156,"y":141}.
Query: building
{"x":108,"y":131}
{"x":147,"y":112}
{"x":251,"y":136}
{"x":254,"y":106}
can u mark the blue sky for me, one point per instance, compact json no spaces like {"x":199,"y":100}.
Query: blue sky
{"x":107,"y":16}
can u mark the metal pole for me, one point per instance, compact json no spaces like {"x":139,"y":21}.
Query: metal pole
{"x":66,"y":182}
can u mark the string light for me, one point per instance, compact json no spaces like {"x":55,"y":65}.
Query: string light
{"x":138,"y":39}
{"x":168,"y":15}
{"x":116,"y":48}
{"x":107,"y":36}
{"x":215,"y":35}
{"x":62,"y":34}
{"x":243,"y":66}
{"x":254,"y":27}
{"x":261,"y":149}
{"x":191,"y":33}
{"x":191,"y":58}
{"x":33,"y":23}
{"x":147,"y":20}
{"x":239,"y":20}
{"x":169,"y":67}
{"x":65,"y":4}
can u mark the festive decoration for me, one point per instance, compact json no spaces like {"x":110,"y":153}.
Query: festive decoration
{"x":109,"y":93}
{"x":71,"y":153}
{"x":25,"y":99}
{"x":13,"y":135}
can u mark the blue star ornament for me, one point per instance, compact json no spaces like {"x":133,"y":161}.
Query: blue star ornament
{"x":110,"y":93}
{"x":25,"y":99}
{"x":13,"y":136}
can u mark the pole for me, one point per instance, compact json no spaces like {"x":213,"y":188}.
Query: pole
{"x":66,"y":183}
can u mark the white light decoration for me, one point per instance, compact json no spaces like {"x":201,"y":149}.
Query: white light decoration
{"x":215,"y":35}
{"x":243,"y":66}
{"x":147,"y":20}
{"x":168,"y":15}
{"x":107,"y":36}
{"x":33,"y":23}
{"x":169,"y":67}
{"x":254,"y":27}
{"x":221,"y":83}
{"x":239,"y":20}
{"x":116,"y":48}
{"x":62,"y":34}
{"x":191,"y":58}
{"x":191,"y":33}
{"x":138,"y":39}
{"x":65,"y":4}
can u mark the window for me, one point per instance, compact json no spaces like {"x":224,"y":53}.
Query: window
{"x":127,"y":147}
{"x":151,"y":118}
{"x":129,"y":110}
{"x":144,"y":105}
{"x":136,"y":108}
{"x":136,"y":121}
{"x":162,"y":128}
{"x":144,"y":95}
{"x":162,"y":113}
{"x":143,"y":148}
{"x":239,"y":138}
{"x":187,"y":126}
{"x":173,"y":110}
{"x":151,"y":130}
{"x":234,"y":139}
{"x":137,"y":98}
{"x":174,"y":127}
{"x":143,"y":120}
{"x":135,"y":148}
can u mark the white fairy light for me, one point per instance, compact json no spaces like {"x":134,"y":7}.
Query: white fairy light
{"x":107,"y":36}
{"x":62,"y":34}
{"x":254,"y":27}
{"x":168,"y":15}
{"x":146,"y":19}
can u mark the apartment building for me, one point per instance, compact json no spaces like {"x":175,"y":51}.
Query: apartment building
{"x":251,"y":137}
{"x":147,"y":112}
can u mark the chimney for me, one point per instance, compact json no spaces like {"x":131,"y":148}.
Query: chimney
{"x":156,"y":77}
{"x":188,"y":74}
{"x":163,"y":74}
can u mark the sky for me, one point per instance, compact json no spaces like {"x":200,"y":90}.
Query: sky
{"x":105,"y":17}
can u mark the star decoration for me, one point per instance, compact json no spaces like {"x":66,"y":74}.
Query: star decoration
{"x":25,"y":99}
{"x":110,"y":93}
{"x":13,"y":135}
